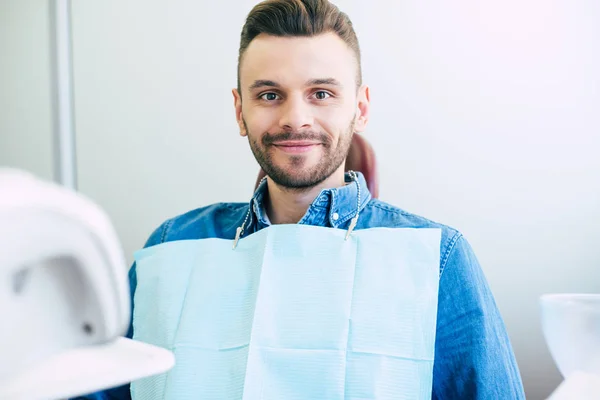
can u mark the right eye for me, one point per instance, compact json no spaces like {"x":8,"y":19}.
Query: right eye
{"x":270,"y":96}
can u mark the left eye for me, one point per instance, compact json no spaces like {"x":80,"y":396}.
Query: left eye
{"x":270,"y":96}
{"x":321,"y":95}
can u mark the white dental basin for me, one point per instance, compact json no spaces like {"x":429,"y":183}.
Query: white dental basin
{"x":571,"y":326}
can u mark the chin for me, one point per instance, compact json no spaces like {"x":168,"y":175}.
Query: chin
{"x":295,"y":162}
{"x":293,"y":177}
{"x":298,"y":168}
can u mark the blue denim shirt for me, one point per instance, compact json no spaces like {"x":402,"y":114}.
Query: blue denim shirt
{"x":473,"y":355}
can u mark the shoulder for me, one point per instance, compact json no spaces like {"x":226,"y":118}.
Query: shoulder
{"x":218,"y":220}
{"x":397,"y":216}
{"x":394,"y":217}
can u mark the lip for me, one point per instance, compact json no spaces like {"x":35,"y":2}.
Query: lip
{"x":295,"y":147}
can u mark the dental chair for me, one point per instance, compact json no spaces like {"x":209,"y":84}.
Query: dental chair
{"x":361,"y":158}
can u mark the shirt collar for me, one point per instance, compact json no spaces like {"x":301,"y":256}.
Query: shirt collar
{"x":338,"y":205}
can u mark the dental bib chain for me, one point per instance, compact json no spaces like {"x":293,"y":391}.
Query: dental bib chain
{"x":240,"y":229}
{"x":354,"y":220}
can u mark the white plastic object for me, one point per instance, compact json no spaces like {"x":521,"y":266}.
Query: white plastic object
{"x":571,"y":327}
{"x":64,"y":295}
{"x":87,"y":370}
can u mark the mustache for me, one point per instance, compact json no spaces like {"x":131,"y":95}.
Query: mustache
{"x":269,"y":139}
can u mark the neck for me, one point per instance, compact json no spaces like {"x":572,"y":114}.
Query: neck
{"x":288,"y":206}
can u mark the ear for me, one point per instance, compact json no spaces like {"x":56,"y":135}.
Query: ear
{"x":363,"y":106}
{"x":237,"y":103}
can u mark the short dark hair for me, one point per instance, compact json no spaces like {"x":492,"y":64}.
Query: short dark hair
{"x":298,"y":18}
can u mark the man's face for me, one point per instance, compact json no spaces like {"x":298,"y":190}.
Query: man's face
{"x":299,"y":106}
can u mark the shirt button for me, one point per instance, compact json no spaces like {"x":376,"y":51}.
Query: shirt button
{"x":335,"y":216}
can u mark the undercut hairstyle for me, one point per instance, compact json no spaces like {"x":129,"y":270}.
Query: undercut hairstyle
{"x":298,"y":18}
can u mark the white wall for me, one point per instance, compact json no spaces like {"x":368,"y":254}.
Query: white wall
{"x":25,"y":92}
{"x":486,"y":117}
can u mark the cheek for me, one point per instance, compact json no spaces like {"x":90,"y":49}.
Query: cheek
{"x":260,"y":121}
{"x":336,"y":124}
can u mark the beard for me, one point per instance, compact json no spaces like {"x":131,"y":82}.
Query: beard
{"x":296,"y":175}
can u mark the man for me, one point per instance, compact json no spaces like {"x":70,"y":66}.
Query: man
{"x":299,"y":100}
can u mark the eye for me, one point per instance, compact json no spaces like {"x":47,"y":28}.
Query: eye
{"x":270,"y":96}
{"x":322,"y":95}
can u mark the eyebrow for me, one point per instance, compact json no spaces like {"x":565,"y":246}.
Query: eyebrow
{"x":326,"y":81}
{"x":264,"y":83}
{"x":260,"y":83}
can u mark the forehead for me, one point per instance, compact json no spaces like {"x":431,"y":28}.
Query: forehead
{"x":291,"y":61}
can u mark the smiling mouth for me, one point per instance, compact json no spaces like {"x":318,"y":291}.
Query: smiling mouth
{"x":296,"y":147}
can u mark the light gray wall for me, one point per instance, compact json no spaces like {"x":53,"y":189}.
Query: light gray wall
{"x":25,"y":92}
{"x":485,"y":116}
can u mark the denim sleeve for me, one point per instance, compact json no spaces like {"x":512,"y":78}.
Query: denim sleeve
{"x":473,"y":355}
{"x":123,"y":392}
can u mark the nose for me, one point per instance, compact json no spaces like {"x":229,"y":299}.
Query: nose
{"x":296,"y":115}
